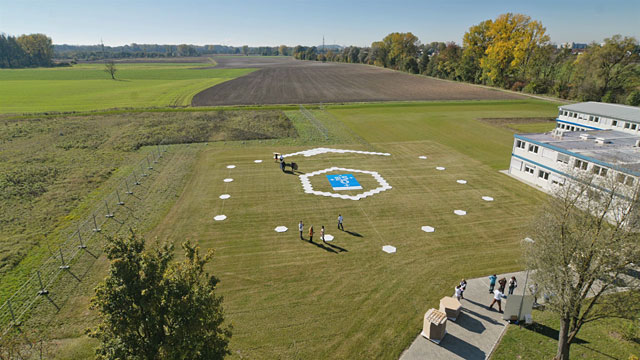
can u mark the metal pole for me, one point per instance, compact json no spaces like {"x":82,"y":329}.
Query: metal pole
{"x":95,"y":224}
{"x":135,"y":179}
{"x":63,"y":266}
{"x":120,"y":202}
{"x":13,"y":316}
{"x":126,"y":183}
{"x":149,"y":164}
{"x":42,"y":291}
{"x":82,"y":245}
{"x":143,"y":173}
{"x":109,"y":213}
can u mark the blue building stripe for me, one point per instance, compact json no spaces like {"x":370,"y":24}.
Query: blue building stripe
{"x":576,"y":124}
{"x":579,"y":156}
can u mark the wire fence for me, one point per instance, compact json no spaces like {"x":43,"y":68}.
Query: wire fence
{"x":317,"y":123}
{"x":70,"y":261}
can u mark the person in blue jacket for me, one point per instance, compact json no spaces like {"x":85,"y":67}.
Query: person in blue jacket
{"x":492,"y":282}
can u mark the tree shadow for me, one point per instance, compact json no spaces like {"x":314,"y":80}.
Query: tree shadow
{"x":550,"y":332}
{"x":353,"y":233}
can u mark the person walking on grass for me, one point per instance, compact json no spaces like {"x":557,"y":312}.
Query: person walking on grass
{"x":340,"y":227}
{"x":503,"y":284}
{"x":463,"y":287}
{"x":497,"y":298}
{"x":301,"y":228}
{"x":492,"y":283}
{"x":458,"y":293}
{"x":513,"y":284}
{"x":311,"y":234}
{"x":322,"y":233}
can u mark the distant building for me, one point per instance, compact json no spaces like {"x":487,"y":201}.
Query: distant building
{"x":590,"y":138}
{"x":574,"y":47}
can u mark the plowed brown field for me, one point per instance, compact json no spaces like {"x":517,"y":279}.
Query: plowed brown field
{"x":283,"y":80}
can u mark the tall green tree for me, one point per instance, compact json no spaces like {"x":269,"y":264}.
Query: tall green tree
{"x":38,"y":48}
{"x":607,"y":72}
{"x":152,"y":307}
{"x":475,"y":43}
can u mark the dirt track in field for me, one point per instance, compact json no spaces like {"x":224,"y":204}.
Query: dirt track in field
{"x":283,"y":80}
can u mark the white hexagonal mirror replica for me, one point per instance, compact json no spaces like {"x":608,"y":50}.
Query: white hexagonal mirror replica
{"x":308,"y":188}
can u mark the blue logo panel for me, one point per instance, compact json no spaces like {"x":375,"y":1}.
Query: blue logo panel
{"x":344,"y":182}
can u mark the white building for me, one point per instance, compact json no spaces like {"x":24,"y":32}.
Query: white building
{"x":595,"y":138}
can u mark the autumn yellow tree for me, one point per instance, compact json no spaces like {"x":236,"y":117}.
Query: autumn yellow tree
{"x":474,"y":43}
{"x":400,"y":49}
{"x":514,"y":39}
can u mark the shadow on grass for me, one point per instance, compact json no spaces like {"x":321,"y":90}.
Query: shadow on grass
{"x":321,"y":246}
{"x":341,"y":249}
{"x":550,"y":332}
{"x":353,"y":233}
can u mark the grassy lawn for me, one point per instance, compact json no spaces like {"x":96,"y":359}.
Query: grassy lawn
{"x":288,"y":298}
{"x":603,"y":339}
{"x":89,"y":87}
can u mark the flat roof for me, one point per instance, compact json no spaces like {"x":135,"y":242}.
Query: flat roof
{"x":621,"y":153}
{"x":616,"y":111}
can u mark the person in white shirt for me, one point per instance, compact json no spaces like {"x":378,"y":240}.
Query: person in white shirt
{"x":340,"y":227}
{"x":301,"y":227}
{"x":497,"y":297}
{"x":458,"y":293}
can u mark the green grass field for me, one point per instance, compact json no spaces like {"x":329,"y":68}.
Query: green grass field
{"x":89,"y":87}
{"x":288,"y":298}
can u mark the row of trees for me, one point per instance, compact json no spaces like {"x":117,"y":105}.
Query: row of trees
{"x":99,"y":52}
{"x":25,"y":51}
{"x":512,"y":52}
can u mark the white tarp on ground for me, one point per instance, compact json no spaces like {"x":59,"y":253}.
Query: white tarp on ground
{"x":487,"y":198}
{"x":460,"y":212}
{"x":440,"y":168}
{"x":461,"y":181}
{"x":228,"y":180}
{"x":389,"y":249}
{"x":225,"y":196}
{"x":219,"y":217}
{"x":322,"y":150}
{"x":428,"y":229}
{"x":328,"y":237}
{"x":422,"y":157}
{"x":231,"y":166}
{"x":257,"y":161}
{"x":281,"y":228}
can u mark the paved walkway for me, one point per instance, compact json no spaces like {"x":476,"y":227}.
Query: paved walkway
{"x":476,"y":331}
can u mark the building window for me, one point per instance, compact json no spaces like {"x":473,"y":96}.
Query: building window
{"x":575,"y":115}
{"x":626,"y":125}
{"x":529,"y":169}
{"x":533,"y":148}
{"x":556,"y":182}
{"x":634,"y":126}
{"x":580,"y":164}
{"x":520,"y":144}
{"x":625,"y":179}
{"x":596,"y":119}
{"x":614,"y":123}
{"x":543,"y":174}
{"x":562,"y":158}
{"x":599,"y":170}
{"x":590,"y":117}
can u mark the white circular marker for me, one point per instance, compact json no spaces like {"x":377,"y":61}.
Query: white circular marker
{"x":461,"y":181}
{"x":428,"y":229}
{"x":487,"y":198}
{"x":440,"y":168}
{"x":257,"y":161}
{"x":231,"y":166}
{"x":460,"y":212}
{"x":228,"y":180}
{"x":281,"y":229}
{"x":422,"y":157}
{"x":219,"y":217}
{"x":225,"y":196}
{"x":389,"y":249}
{"x":328,"y":237}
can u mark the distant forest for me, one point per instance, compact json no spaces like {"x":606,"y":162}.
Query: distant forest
{"x":511,"y":52}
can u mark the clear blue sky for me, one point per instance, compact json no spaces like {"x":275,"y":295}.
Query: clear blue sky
{"x":275,"y":22}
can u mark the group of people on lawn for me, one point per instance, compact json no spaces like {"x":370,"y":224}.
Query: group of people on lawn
{"x":301,"y":229}
{"x":498,"y":294}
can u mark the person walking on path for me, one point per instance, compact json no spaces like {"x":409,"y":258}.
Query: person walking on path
{"x":301,"y":228}
{"x":503,"y":284}
{"x":513,"y":284}
{"x":463,"y":287}
{"x":311,"y":234}
{"x":492,"y":283}
{"x":458,"y":292}
{"x":497,"y":298}
{"x":322,"y":233}
{"x":340,"y":227}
